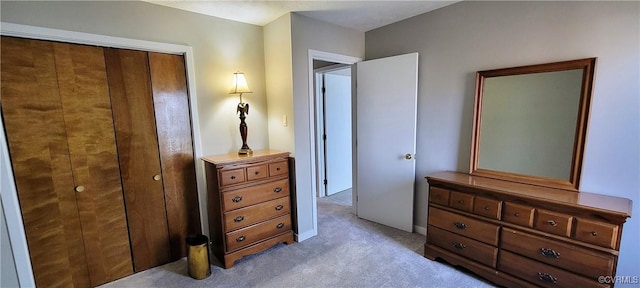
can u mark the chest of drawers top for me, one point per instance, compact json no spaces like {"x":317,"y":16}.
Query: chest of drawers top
{"x":612,"y":206}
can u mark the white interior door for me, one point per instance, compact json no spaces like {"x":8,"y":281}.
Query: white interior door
{"x":386,"y":111}
{"x":337,"y":117}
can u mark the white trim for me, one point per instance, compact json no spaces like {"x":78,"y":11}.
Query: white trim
{"x":306,"y":235}
{"x":420,"y":230}
{"x":331,"y":57}
{"x":10,"y":196}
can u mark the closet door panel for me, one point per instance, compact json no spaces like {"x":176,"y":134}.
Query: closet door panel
{"x":84,"y":94}
{"x":173,"y":121}
{"x":34,"y":124}
{"x":136,"y":139}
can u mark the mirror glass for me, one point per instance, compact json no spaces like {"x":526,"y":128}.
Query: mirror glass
{"x":531,"y":122}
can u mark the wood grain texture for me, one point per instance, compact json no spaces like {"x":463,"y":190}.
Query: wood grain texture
{"x":34,"y":123}
{"x":173,"y":121}
{"x":84,"y":95}
{"x":136,"y":139}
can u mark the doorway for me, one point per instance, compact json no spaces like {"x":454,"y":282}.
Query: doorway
{"x":332,"y":88}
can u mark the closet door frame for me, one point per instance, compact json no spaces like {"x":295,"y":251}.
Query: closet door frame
{"x":9,"y":194}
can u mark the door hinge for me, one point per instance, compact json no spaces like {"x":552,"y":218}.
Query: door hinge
{"x":324,"y":137}
{"x":325,"y":181}
{"x":324,"y":90}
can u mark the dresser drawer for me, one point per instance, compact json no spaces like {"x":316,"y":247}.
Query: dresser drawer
{"x":461,"y":201}
{"x":599,"y":233}
{"x":518,"y":214}
{"x":258,"y":232}
{"x":476,"y":229}
{"x":235,"y":199}
{"x":439,"y":196}
{"x":257,"y":172}
{"x":230,"y":177}
{"x":253,"y":214}
{"x":541,"y":274}
{"x":552,"y":222}
{"x":278,"y":168}
{"x":487,"y":207}
{"x":570,"y":257}
{"x":477,"y":251}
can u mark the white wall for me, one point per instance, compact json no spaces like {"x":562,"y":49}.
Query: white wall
{"x":279,"y":80}
{"x":308,"y":33}
{"x":8,"y":273}
{"x":456,"y":41}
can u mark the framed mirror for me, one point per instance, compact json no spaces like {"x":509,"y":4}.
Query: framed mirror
{"x":530,"y":123}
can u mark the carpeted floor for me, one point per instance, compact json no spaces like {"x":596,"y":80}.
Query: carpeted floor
{"x":348,"y":252}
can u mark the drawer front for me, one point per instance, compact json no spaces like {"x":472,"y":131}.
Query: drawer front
{"x":540,"y":273}
{"x":253,"y":214}
{"x":459,"y":224}
{"x":439,"y":196}
{"x":235,"y":199}
{"x":257,"y":172}
{"x":278,"y":168}
{"x":230,"y":177}
{"x":555,"y":223}
{"x":461,"y":201}
{"x":256,"y":233}
{"x":599,"y":233}
{"x":487,"y":207}
{"x":464,"y":246}
{"x":518,"y":214}
{"x":570,"y":257}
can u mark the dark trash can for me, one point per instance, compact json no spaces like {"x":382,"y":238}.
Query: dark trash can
{"x":198,"y":256}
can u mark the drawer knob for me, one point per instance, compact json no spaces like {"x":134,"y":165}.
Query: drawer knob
{"x":460,"y":226}
{"x":277,"y":190}
{"x":238,"y":219}
{"x":460,"y":201}
{"x":79,"y":188}
{"x":241,"y":238}
{"x":237,"y":199}
{"x":156,"y":177}
{"x":547,"y":278}
{"x":278,"y":169}
{"x":549,"y":253}
{"x":552,"y":223}
{"x":594,"y":233}
{"x":486,"y":208}
{"x":516,"y":214}
{"x":279,"y":207}
{"x":257,"y":172}
{"x":280,"y":225}
{"x":233,"y":177}
{"x":459,"y":245}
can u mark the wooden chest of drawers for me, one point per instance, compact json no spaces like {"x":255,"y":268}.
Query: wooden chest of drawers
{"x":249,"y":203}
{"x":519,"y":235}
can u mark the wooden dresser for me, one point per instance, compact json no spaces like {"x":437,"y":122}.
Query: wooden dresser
{"x":520,"y":235}
{"x":248,"y":202}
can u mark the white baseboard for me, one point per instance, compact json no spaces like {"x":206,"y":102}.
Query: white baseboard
{"x":420,"y":230}
{"x":304,"y":236}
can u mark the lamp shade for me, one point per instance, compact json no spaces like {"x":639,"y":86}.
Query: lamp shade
{"x":239,"y":84}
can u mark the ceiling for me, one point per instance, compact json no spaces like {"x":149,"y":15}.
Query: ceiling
{"x":360,"y":15}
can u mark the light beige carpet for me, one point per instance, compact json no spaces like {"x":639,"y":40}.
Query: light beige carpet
{"x":348,"y":252}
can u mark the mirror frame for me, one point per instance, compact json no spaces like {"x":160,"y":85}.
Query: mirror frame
{"x":572,"y":184}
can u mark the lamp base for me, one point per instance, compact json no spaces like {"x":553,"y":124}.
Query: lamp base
{"x":245,"y":151}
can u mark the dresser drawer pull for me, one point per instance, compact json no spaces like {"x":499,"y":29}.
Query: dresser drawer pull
{"x":549,"y":253}
{"x":257,"y":172}
{"x":241,"y":238}
{"x":278,"y":169}
{"x":277,"y":190}
{"x":552,"y":223}
{"x":460,"y":226}
{"x":516,"y":214}
{"x":486,"y":208}
{"x":279,"y":207}
{"x":280,"y":225}
{"x":238,"y":219}
{"x":233,"y":177}
{"x":460,"y":201}
{"x":237,"y":199}
{"x":594,"y":233}
{"x":459,"y":245}
{"x":547,"y":278}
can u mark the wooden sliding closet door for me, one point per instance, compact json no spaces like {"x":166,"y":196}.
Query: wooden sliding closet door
{"x":137,"y":142}
{"x":171,"y":104}
{"x":57,"y":114}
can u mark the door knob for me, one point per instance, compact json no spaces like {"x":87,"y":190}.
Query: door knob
{"x":408,"y":156}
{"x":79,"y":188}
{"x":156,"y":177}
